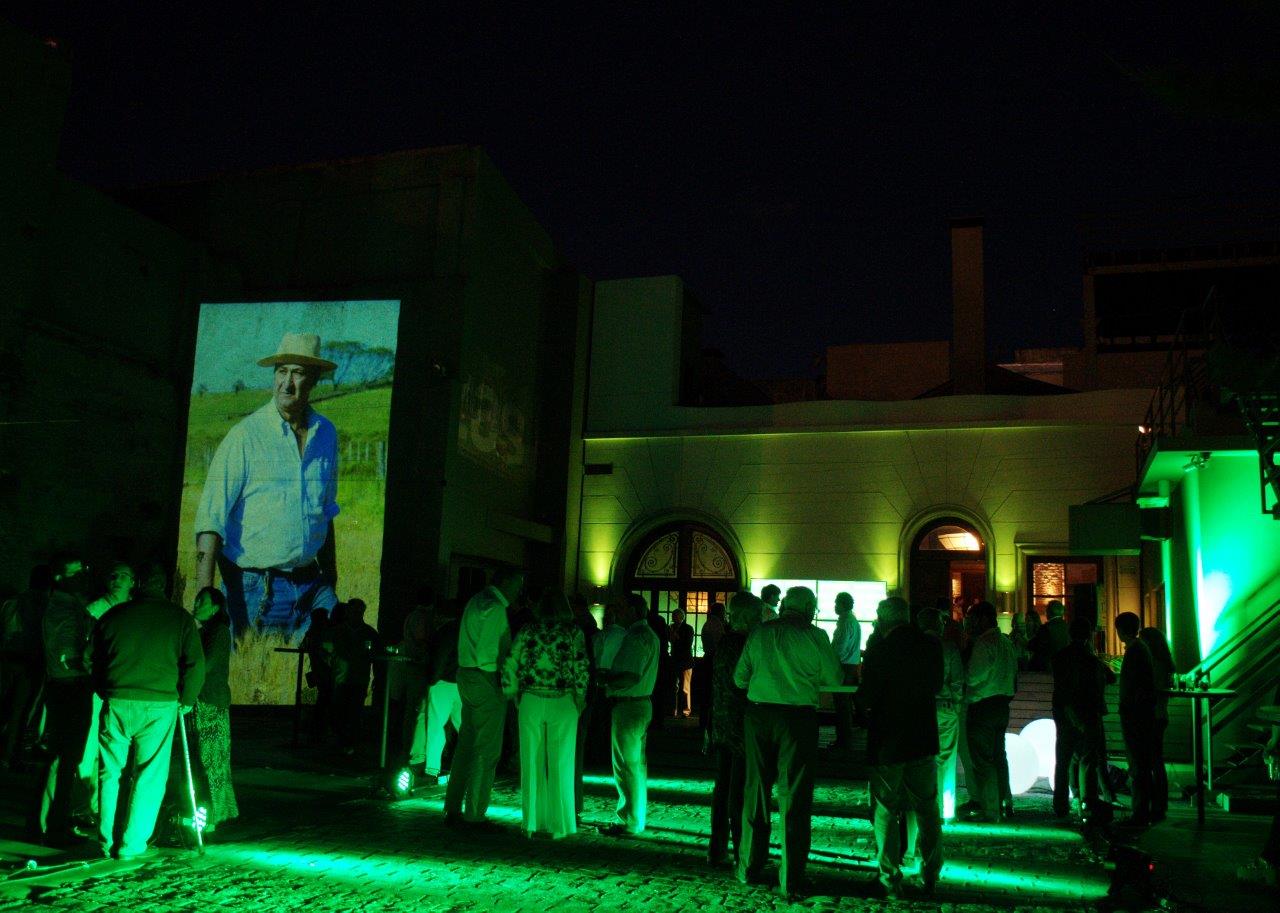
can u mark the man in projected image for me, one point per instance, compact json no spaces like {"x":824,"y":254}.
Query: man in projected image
{"x":265,"y":518}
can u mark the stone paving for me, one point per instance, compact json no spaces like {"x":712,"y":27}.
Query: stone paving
{"x":312,"y":839}
{"x":372,"y":855}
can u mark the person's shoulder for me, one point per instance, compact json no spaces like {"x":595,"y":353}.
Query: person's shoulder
{"x":257,"y":420}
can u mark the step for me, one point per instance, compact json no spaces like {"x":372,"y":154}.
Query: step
{"x":1248,"y":800}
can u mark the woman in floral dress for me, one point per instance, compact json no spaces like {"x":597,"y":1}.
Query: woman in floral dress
{"x":212,"y":713}
{"x":546,"y":673}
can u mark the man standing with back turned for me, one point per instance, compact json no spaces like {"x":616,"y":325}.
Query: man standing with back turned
{"x":484,"y":640}
{"x":1137,"y":715}
{"x":147,"y":666}
{"x":783,"y":666}
{"x":900,"y":680}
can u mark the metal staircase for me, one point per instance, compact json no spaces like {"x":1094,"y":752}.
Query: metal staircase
{"x":1243,"y":363}
{"x":1261,"y":413}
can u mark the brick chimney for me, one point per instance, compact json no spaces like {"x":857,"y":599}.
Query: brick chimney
{"x":968,"y":333}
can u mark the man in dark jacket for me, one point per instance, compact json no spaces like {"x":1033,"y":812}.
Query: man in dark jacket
{"x":1079,"y":704}
{"x":901,"y":676}
{"x":147,"y":666}
{"x":1137,"y":714}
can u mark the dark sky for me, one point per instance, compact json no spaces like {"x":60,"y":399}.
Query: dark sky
{"x":796,"y":167}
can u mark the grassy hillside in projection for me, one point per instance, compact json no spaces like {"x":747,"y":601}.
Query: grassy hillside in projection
{"x":259,"y":675}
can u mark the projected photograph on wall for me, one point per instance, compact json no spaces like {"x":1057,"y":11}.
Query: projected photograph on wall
{"x":285,"y":477}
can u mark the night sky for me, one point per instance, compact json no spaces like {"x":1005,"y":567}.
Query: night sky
{"x":797,"y":167}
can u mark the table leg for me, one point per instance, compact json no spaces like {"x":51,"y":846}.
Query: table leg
{"x":386,"y":716}
{"x":1197,"y":755}
{"x":297,"y":702}
{"x":1208,"y":744}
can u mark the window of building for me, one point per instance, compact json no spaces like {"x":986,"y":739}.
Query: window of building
{"x":686,"y":566}
{"x":1072,"y":581}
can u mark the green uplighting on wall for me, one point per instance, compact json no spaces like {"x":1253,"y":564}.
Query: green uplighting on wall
{"x":1215,"y":591}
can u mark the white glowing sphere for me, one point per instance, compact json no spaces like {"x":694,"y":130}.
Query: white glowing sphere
{"x":1024,"y":766}
{"x":1043,"y":736}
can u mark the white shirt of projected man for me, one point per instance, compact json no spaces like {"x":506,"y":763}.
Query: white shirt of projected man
{"x":270,"y":504}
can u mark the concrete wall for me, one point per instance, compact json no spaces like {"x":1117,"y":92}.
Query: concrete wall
{"x":636,"y":351}
{"x":96,"y":337}
{"x":484,"y":297}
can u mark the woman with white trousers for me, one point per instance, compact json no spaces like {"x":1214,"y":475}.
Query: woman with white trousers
{"x":546,"y":673}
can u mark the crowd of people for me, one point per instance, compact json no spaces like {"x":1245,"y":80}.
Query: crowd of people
{"x":98,"y":675}
{"x":532,"y":681}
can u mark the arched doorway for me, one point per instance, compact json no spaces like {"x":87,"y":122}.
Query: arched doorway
{"x":948,"y":560}
{"x":683,"y":566}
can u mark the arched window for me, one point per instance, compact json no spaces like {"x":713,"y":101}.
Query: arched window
{"x":683,"y":566}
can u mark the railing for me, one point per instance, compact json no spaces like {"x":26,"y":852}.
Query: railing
{"x":1261,"y":630}
{"x":1186,"y":381}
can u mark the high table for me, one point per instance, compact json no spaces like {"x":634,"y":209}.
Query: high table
{"x":297,"y":692}
{"x":1202,"y":700}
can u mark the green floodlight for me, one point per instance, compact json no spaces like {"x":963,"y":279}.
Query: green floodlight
{"x":199,"y":821}
{"x":402,"y":785}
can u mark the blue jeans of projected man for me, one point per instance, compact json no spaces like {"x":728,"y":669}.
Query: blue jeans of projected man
{"x":272,"y":600}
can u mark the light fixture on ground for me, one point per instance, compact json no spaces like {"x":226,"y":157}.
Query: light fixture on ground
{"x":1024,"y":765}
{"x":401,"y":782}
{"x":1042,"y":735}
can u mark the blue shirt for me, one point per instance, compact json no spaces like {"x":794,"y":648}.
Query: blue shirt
{"x":270,"y":505}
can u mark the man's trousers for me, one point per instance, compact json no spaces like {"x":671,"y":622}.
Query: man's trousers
{"x":781,"y":744}
{"x":444,"y":705}
{"x":900,"y":789}
{"x":986,"y":722}
{"x":145,"y":729}
{"x":629,"y":733}
{"x":1139,"y":747}
{"x":68,"y":708}
{"x":475,"y":761}
{"x":948,"y":749}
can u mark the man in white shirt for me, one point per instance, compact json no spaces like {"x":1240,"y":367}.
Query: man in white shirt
{"x":782,"y":668}
{"x":265,"y":517}
{"x":770,"y":596}
{"x":847,"y":642}
{"x":484,"y":640}
{"x":989,"y":687}
{"x":949,"y":703}
{"x":613,"y":634}
{"x":629,"y":684}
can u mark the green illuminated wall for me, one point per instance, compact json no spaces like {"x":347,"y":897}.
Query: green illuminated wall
{"x":1232,"y":549}
{"x":833,"y":505}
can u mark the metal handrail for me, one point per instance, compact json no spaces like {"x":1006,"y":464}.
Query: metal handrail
{"x":1246,"y":634}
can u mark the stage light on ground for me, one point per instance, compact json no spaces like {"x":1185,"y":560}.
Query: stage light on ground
{"x":1043,"y":737}
{"x":402,"y":783}
{"x":1024,"y":766}
{"x":199,"y":820}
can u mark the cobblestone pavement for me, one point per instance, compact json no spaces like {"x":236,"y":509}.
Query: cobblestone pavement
{"x":313,"y":849}
{"x":312,"y":839}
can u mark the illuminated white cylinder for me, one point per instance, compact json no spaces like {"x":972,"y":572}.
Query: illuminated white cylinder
{"x":1024,"y":766}
{"x":1043,"y":736}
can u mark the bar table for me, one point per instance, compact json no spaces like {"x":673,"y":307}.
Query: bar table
{"x":1202,"y":701}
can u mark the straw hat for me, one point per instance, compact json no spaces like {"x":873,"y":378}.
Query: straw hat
{"x":298,"y":349}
